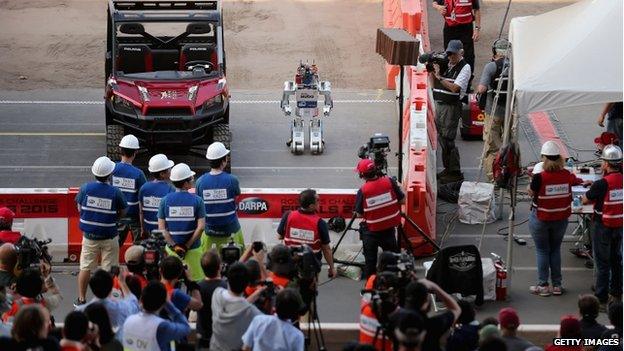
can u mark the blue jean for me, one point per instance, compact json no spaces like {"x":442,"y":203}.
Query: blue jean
{"x":548,"y":236}
{"x":607,"y":245}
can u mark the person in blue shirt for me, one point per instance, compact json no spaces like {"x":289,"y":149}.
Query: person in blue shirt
{"x":146,"y":331}
{"x":151,"y":193}
{"x":100,"y":205}
{"x":129,"y":179}
{"x":181,"y":218}
{"x":277,"y":332}
{"x":218,"y":190}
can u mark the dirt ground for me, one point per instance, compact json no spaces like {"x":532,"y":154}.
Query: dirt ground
{"x":60,"y":43}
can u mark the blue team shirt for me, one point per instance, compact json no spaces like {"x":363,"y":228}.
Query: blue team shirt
{"x":129,"y":179}
{"x":220,"y":187}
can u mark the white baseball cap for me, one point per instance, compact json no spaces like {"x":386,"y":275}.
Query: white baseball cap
{"x":216,"y":151}
{"x":103,"y":167}
{"x":181,"y":171}
{"x":129,"y":142}
{"x":159,"y":163}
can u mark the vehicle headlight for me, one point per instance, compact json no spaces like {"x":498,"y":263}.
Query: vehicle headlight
{"x":217,"y":100}
{"x":192,"y":93}
{"x":122,"y":105}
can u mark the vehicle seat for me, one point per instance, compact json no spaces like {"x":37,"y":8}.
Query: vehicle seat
{"x":134,"y":58}
{"x":198,"y":52}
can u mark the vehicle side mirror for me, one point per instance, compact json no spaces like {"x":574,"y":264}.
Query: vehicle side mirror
{"x":198,"y":28}
{"x":132,"y":28}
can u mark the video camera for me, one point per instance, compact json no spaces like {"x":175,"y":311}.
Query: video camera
{"x":440,"y":58}
{"x":384,"y":299}
{"x":376,"y":149}
{"x":31,"y":251}
{"x":404,"y":268}
{"x":154,"y":251}
{"x":266,"y":300}
{"x":230,"y":253}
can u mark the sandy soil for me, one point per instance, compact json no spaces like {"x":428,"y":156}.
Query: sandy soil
{"x":60,"y":44}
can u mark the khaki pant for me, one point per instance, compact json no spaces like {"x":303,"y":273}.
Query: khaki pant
{"x":492,"y":135}
{"x":447,"y":120}
{"x":107,"y":250}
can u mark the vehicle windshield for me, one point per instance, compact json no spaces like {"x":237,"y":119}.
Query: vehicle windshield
{"x":166,"y":50}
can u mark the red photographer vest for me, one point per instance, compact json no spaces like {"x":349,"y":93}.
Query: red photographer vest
{"x":612,"y":202}
{"x":302,"y":229}
{"x":554,"y":198}
{"x":369,"y":322}
{"x":462,"y":10}
{"x":8,"y":316}
{"x":381,"y":207}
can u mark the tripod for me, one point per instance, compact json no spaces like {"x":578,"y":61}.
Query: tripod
{"x":314,"y":326}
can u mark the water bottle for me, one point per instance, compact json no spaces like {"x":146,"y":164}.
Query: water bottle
{"x":576,"y":204}
{"x":570,"y":164}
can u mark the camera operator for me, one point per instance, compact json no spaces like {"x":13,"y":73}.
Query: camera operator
{"x":231,"y":312}
{"x":172,"y":270}
{"x":136,"y":263}
{"x":7,"y":235}
{"x":8,"y":260}
{"x":30,"y":287}
{"x":281,"y":266}
{"x":305,"y":227}
{"x":181,"y":217}
{"x":488,"y":85}
{"x":378,"y":201}
{"x":211,"y":265}
{"x":256,"y":264}
{"x":277,"y":332}
{"x":448,"y":89}
{"x":417,"y":300}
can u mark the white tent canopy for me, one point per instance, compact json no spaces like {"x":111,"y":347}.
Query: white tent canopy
{"x":568,"y":57}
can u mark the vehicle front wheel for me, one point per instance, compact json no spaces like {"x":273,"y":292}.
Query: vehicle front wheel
{"x":114,"y":133}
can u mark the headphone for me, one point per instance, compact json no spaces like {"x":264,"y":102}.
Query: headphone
{"x":500,"y":44}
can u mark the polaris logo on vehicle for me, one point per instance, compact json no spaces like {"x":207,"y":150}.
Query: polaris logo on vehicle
{"x":168,"y":94}
{"x":253,"y":205}
{"x":132,"y":49}
{"x":198,"y":49}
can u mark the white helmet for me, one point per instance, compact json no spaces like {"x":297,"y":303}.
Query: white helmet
{"x":181,"y":171}
{"x":550,"y":148}
{"x":129,"y":142}
{"x":612,"y":153}
{"x":103,"y":167}
{"x":538,"y":168}
{"x":216,"y":151}
{"x":159,"y":163}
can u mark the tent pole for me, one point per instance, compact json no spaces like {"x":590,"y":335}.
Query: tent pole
{"x":508,"y":116}
{"x":510,"y":236}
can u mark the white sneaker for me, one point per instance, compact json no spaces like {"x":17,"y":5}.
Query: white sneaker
{"x":540,"y":290}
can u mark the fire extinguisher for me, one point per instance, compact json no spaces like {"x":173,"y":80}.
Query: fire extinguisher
{"x":501,"y":278}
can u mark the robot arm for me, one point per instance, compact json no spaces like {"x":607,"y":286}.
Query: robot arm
{"x":325,"y":90}
{"x":289,"y":90}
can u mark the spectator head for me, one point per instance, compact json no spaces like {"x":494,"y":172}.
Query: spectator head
{"x":489,"y":321}
{"x":416,"y":297}
{"x":386,"y":260}
{"x":171,"y":268}
{"x":467,"y":315}
{"x":76,"y":326}
{"x":570,"y":327}
{"x":211,"y":263}
{"x":96,"y":313}
{"x":280,"y":261}
{"x":134,"y":259}
{"x":410,"y":331}
{"x":238,"y":278}
{"x":487,"y":332}
{"x":8,"y":257}
{"x":153,"y":296}
{"x":508,"y":318}
{"x":308,"y":199}
{"x":30,"y":283}
{"x":615,"y":314}
{"x":255,"y":273}
{"x":101,"y":284}
{"x":6,"y":218}
{"x":494,"y":343}
{"x":134,"y":285}
{"x":32,"y":322}
{"x":288,"y":304}
{"x":589,"y":306}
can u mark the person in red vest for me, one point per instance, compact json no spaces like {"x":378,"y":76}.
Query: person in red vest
{"x":306,"y":227}
{"x":552,"y":205}
{"x":7,"y":235}
{"x":378,"y":202}
{"x":606,"y":195}
{"x":462,"y":21}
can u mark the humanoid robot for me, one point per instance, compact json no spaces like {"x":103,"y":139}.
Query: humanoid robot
{"x":306,"y":88}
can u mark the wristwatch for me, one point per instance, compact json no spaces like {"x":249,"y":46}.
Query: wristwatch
{"x":477,"y":27}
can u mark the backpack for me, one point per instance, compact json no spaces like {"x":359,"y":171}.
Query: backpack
{"x":506,"y":165}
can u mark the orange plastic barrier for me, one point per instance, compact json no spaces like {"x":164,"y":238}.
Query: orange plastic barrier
{"x":392,"y":18}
